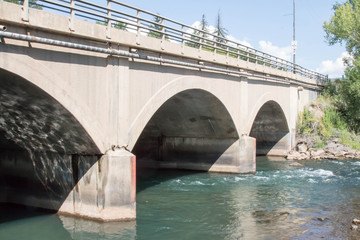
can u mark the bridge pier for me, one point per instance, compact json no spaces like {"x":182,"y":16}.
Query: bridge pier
{"x":247,"y":150}
{"x":106,"y":191}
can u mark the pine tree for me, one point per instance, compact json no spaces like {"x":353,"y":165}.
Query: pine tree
{"x":220,"y":31}
{"x":158,"y":28}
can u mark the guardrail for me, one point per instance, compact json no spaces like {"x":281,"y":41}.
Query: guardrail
{"x":115,"y":14}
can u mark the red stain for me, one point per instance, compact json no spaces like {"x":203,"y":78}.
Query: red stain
{"x":133,"y":179}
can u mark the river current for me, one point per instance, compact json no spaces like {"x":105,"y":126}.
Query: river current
{"x":314,"y":201}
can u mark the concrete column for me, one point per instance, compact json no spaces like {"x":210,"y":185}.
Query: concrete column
{"x":247,"y":156}
{"x":106,"y":191}
{"x":294,"y":109}
{"x":244,"y":117}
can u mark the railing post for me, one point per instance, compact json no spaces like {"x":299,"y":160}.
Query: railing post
{"x":108,"y":28}
{"x":138,"y":27}
{"x":227,"y":50}
{"x":163,"y":34}
{"x":72,"y":15}
{"x":25,"y":11}
{"x":237,"y":51}
{"x":182,"y":39}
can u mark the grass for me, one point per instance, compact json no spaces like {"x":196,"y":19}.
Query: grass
{"x":321,"y":119}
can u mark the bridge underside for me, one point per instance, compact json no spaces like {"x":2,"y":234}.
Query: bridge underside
{"x":49,"y":161}
{"x":271,"y":131}
{"x":192,"y":130}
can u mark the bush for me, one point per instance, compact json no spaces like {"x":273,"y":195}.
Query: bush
{"x":332,"y":120}
{"x":325,"y":121}
{"x":306,"y":123}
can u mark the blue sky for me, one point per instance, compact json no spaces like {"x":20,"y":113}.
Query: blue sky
{"x":265,"y":25}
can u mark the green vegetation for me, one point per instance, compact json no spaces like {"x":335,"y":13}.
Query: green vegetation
{"x":158,"y":28}
{"x":336,"y":114}
{"x":32,"y":3}
{"x":117,"y":25}
{"x":200,"y":38}
{"x":322,"y":119}
{"x":344,"y":27}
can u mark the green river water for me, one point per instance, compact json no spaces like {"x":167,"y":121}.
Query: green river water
{"x":315,"y":201}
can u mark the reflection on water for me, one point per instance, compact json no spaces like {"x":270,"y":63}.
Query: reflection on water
{"x":317,"y":200}
{"x":84,"y":229}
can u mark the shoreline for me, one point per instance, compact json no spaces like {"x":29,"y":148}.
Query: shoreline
{"x":305,"y":149}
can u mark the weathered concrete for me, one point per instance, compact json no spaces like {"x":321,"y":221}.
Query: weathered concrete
{"x":106,"y":191}
{"x":102,"y":188}
{"x":62,"y":109}
{"x":247,"y":158}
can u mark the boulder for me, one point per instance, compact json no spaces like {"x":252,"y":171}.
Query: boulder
{"x":317,"y":154}
{"x":293,"y":155}
{"x":356,"y":221}
{"x":302,"y":148}
{"x":296,"y":164}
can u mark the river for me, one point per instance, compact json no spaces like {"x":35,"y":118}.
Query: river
{"x":317,"y":200}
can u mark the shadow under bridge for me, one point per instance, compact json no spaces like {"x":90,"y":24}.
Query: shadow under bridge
{"x":191,"y":130}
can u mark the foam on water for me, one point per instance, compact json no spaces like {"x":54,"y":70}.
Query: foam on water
{"x":320,"y":173}
{"x":262,"y":178}
{"x":197,"y":183}
{"x":312,"y":180}
{"x":339,"y":163}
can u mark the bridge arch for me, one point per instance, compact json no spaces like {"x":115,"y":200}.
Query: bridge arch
{"x":191,"y":129}
{"x":270,"y":127}
{"x":171,"y":89}
{"x":44,"y":149}
{"x":50,"y":83}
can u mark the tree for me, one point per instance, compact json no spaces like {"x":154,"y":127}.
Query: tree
{"x":201,"y":33}
{"x":348,"y":96}
{"x":203,"y":27}
{"x":157,"y":33}
{"x":344,"y":26}
{"x":220,"y":31}
{"x":32,"y":3}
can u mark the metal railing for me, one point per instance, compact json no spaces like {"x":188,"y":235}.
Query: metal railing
{"x":115,"y":14}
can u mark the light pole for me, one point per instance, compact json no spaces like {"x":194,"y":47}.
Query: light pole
{"x":294,"y":42}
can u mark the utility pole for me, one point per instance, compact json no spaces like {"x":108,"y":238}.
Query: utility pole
{"x":294,"y":42}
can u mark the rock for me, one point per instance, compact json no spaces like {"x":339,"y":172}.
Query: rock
{"x":332,"y":147}
{"x":302,"y":148}
{"x":340,"y":154}
{"x":293,"y":155}
{"x":317,"y":153}
{"x":321,"y":219}
{"x":356,"y":221}
{"x":302,"y":140}
{"x":354,"y":227}
{"x":295,"y":164}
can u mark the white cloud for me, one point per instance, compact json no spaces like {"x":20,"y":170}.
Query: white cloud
{"x":242,"y":42}
{"x":280,"y":52}
{"x":334,"y":69}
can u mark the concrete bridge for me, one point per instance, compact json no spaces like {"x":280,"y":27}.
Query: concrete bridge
{"x":79,"y":101}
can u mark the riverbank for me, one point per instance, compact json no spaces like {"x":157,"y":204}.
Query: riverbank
{"x":306,"y":149}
